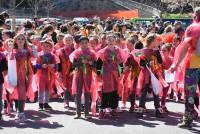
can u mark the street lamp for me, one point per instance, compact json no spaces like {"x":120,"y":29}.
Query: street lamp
{"x":13,"y":25}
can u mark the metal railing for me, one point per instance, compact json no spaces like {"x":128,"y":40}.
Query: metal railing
{"x":22,"y":13}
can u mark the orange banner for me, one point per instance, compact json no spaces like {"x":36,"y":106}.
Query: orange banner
{"x":127,"y":14}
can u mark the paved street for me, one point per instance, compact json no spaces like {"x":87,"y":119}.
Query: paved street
{"x":61,"y":121}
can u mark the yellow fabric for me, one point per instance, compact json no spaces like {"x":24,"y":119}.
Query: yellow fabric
{"x":154,"y":64}
{"x":135,"y":72}
{"x":195,"y":61}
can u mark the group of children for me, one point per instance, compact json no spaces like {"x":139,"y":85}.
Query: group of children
{"x":102,"y":69}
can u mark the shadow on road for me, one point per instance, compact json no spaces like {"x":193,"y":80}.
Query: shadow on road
{"x":35,"y":124}
{"x":36,"y":120}
{"x":126,"y":118}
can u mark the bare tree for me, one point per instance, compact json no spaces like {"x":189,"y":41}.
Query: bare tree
{"x":34,"y":5}
{"x":50,"y":5}
{"x":195,"y":3}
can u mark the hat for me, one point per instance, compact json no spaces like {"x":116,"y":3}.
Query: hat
{"x":89,"y":26}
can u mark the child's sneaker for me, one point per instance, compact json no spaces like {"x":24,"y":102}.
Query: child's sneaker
{"x":119,"y":110}
{"x":140,"y":112}
{"x":78,"y":116}
{"x":101,"y":115}
{"x":159,"y":113}
{"x":41,"y":107}
{"x":11,"y":110}
{"x":66,"y":104}
{"x":165,"y":110}
{"x":1,"y":117}
{"x":114,"y":113}
{"x":187,"y":121}
{"x":185,"y":125}
{"x":195,"y":115}
{"x":5,"y":111}
{"x":133,"y":108}
{"x":20,"y":118}
{"x":8,"y":109}
{"x":47,"y":107}
{"x":88,"y":117}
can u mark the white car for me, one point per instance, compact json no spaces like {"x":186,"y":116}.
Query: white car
{"x":19,"y":21}
{"x":81,"y":20}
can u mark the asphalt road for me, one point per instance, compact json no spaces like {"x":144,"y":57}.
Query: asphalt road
{"x":60,"y":121}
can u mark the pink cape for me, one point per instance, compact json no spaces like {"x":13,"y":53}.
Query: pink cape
{"x":144,"y":75}
{"x":129,"y":79}
{"x":46,"y":79}
{"x":79,"y":74}
{"x":24,"y":88}
{"x":110,"y":70}
{"x":88,"y":79}
{"x":167,"y":61}
{"x":67,"y":77}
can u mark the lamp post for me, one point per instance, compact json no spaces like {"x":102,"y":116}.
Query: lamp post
{"x":36,"y":7}
{"x":13,"y":25}
{"x":48,"y":6}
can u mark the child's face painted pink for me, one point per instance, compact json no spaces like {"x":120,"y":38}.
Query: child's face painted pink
{"x":35,"y":41}
{"x":20,"y":41}
{"x":8,"y":45}
{"x":60,"y":39}
{"x":47,"y":48}
{"x":129,"y":45}
{"x":93,"y":43}
{"x":176,"y":42}
{"x":164,"y":50}
{"x":111,"y":40}
{"x":103,"y":40}
{"x":157,"y":41}
{"x":4,"y":37}
{"x":68,"y":41}
{"x":84,"y":44}
{"x":50,"y":32}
